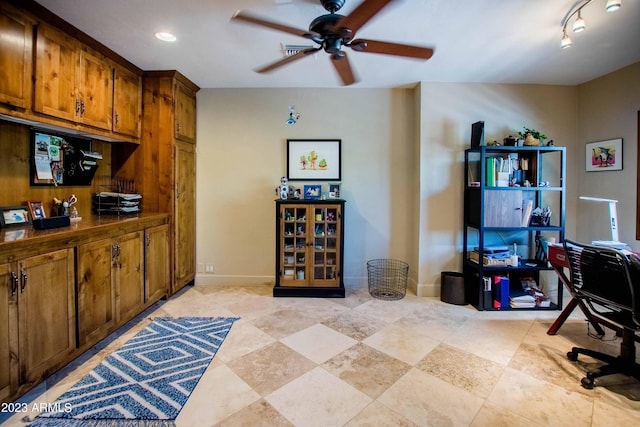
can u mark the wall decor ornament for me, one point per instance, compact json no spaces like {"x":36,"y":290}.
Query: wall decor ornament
{"x":314,"y":159}
{"x":604,"y":155}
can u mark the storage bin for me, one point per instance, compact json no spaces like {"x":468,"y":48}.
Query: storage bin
{"x":387,"y":278}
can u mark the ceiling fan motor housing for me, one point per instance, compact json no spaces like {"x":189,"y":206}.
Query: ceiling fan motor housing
{"x":332,"y":5}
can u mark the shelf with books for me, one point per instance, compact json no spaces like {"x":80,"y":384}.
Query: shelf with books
{"x":512,"y":195}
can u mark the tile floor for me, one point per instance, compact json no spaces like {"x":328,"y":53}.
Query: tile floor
{"x":360,"y":361}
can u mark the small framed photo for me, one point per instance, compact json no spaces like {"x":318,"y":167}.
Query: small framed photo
{"x":312,"y":192}
{"x":334,"y":191}
{"x":14,"y":216}
{"x":36,"y":210}
{"x":604,"y":156}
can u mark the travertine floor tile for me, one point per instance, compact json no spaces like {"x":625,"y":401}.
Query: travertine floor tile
{"x":318,"y":342}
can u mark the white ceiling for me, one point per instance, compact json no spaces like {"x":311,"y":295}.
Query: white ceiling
{"x":496,"y":41}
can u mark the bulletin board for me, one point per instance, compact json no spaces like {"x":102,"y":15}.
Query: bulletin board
{"x":58,"y":159}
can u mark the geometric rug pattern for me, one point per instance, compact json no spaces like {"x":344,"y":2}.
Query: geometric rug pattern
{"x":147,"y":381}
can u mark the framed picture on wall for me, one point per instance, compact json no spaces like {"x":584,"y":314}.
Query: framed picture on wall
{"x":314,"y":159}
{"x":604,"y":155}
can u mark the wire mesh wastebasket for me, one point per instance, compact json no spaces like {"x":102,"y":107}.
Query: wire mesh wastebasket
{"x":387,"y":278}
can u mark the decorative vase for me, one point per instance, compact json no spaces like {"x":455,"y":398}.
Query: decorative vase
{"x":530,"y":140}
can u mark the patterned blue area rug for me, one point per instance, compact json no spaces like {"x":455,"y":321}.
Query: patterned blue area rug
{"x":147,"y":381}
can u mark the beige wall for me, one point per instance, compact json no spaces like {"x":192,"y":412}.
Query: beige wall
{"x":242,"y":155}
{"x":608,"y":109}
{"x":446,"y":113}
{"x":402,"y":152}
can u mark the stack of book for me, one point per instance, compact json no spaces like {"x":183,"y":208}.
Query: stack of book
{"x":530,"y":297}
{"x":491,"y":255}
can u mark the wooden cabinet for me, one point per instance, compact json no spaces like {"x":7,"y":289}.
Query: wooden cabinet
{"x":504,"y":185}
{"x":38,"y":309}
{"x":96,"y":292}
{"x":110,"y":284}
{"x":16,"y":37}
{"x":156,"y":263}
{"x":127,"y":101}
{"x":164,"y":165}
{"x":185,"y":112}
{"x":72,"y":82}
{"x":184,"y":208}
{"x":7,"y":294}
{"x":309,"y":248}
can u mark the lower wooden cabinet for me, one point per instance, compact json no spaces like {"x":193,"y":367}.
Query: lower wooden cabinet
{"x":7,"y":294}
{"x":37,"y":335}
{"x":65,"y":293}
{"x":110,"y":284}
{"x":157,"y":274}
{"x":309,"y":248}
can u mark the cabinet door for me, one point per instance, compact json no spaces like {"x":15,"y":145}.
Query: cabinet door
{"x":95,"y":90}
{"x":127,"y":101}
{"x":130,"y":279}
{"x":156,"y":263}
{"x":503,"y":208}
{"x":293,"y":236}
{"x":325,"y":250}
{"x":56,"y":66}
{"x":7,"y":296}
{"x":184,"y":215}
{"x":46,"y":313}
{"x":96,"y":290}
{"x":185,"y":113}
{"x":15,"y":58}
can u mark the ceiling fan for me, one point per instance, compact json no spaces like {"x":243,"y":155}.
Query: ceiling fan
{"x":332,"y":32}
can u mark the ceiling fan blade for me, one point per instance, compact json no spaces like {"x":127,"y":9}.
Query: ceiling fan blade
{"x":343,"y":67}
{"x":287,"y":60}
{"x":244,"y":16}
{"x":350,"y":24}
{"x":387,"y":48}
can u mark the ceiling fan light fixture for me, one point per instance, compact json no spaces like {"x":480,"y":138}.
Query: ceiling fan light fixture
{"x":579,"y":24}
{"x":613,"y":5}
{"x":165,"y":36}
{"x":566,"y":41}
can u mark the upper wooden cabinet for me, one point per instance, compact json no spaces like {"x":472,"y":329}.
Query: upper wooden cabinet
{"x":16,"y":36}
{"x":71,"y":81}
{"x":185,"y":112}
{"x":127,"y":101}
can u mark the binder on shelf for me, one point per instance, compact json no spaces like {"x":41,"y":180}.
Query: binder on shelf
{"x":491,"y":171}
{"x":502,"y":291}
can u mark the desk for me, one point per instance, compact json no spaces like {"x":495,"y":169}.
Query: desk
{"x":558,"y":259}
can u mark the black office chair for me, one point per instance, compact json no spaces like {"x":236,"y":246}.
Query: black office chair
{"x":609,"y":283}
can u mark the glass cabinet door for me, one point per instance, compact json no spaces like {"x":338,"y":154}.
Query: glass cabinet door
{"x":294,"y":243}
{"x":325,"y":244}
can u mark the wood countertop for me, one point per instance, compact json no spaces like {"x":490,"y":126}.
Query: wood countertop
{"x":17,"y":242}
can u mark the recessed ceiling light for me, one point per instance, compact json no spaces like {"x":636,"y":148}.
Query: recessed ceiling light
{"x":165,"y":37}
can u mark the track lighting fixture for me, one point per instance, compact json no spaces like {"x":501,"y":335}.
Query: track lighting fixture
{"x":579,"y":24}
{"x":613,"y":5}
{"x":566,"y":41}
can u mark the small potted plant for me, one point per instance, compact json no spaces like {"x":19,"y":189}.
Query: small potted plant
{"x":532,"y":136}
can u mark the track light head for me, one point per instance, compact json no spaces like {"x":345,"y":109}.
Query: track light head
{"x":566,"y":41}
{"x":579,"y":24}
{"x":613,"y":5}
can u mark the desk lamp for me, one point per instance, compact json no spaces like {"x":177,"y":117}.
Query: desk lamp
{"x":613,"y":223}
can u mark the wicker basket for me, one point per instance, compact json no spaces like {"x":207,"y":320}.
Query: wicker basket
{"x":530,"y":140}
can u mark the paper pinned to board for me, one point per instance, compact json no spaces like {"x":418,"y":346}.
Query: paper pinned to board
{"x":43,"y":167}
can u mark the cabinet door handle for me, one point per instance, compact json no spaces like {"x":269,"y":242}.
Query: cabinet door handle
{"x":14,"y":283}
{"x":148,"y":240}
{"x":23,"y":280}
{"x":82,"y":107}
{"x":117,"y":117}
